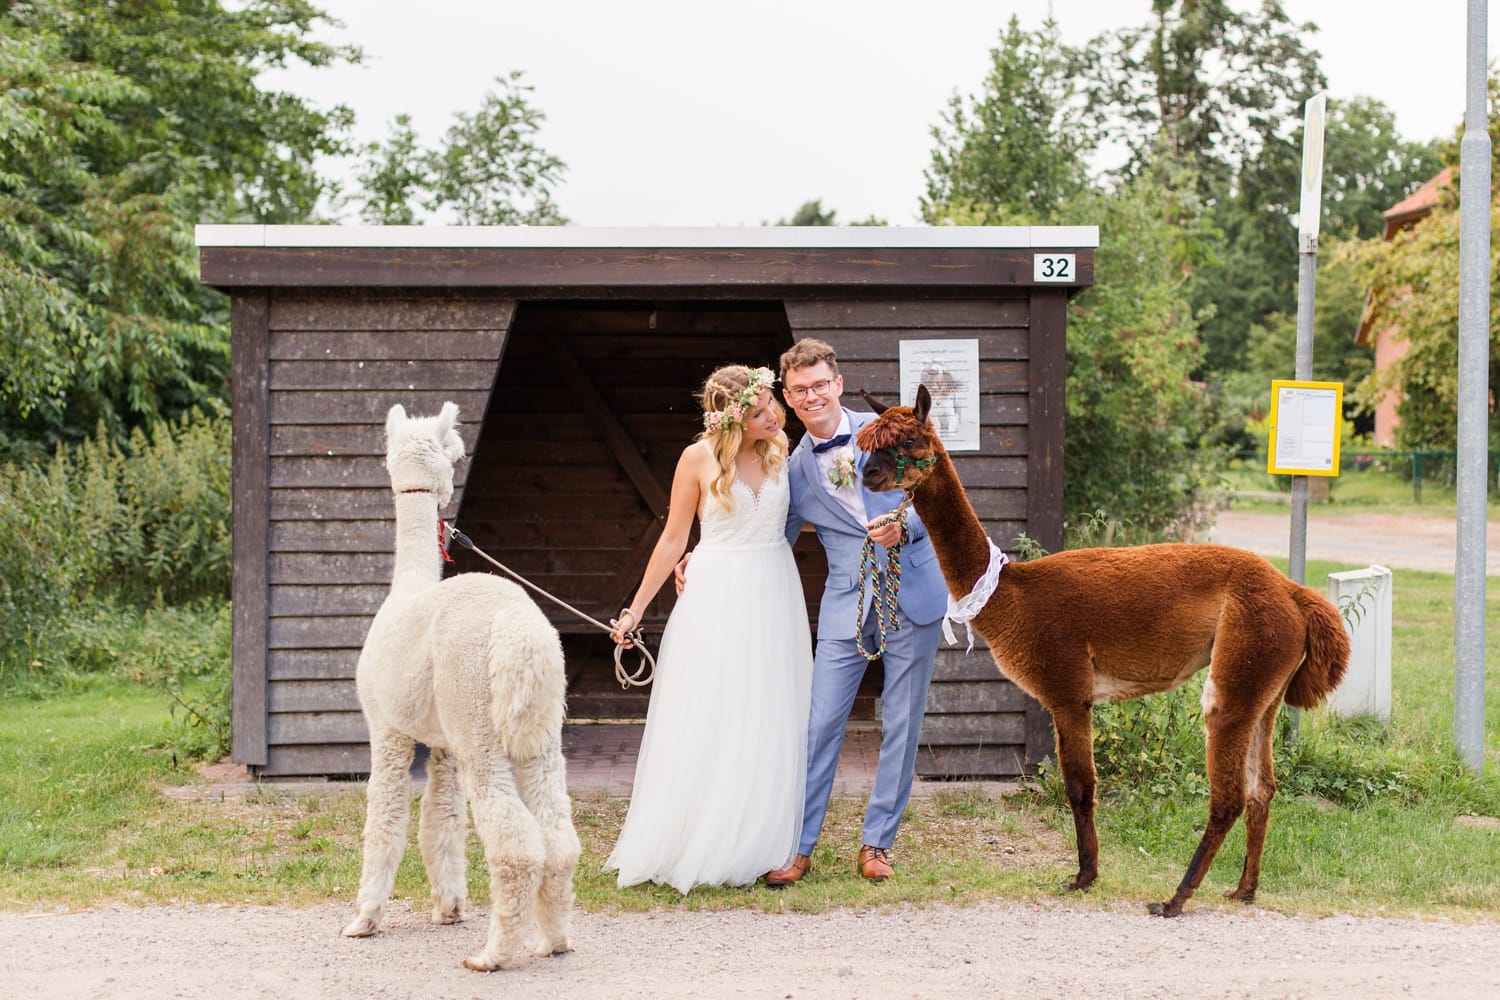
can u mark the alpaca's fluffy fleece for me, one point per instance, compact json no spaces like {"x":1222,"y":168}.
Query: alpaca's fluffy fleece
{"x":470,"y":667}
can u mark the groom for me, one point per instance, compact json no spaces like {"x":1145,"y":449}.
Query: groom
{"x":826,"y":491}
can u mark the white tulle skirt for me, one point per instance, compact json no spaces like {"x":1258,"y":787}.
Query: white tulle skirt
{"x":719,"y":783}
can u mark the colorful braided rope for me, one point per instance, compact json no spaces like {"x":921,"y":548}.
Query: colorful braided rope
{"x":886,"y":590}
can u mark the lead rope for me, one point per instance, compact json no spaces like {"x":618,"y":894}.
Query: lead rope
{"x":643,"y":673}
{"x":885,"y":589}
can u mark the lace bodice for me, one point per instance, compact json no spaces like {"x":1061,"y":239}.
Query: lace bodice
{"x":754,"y":520}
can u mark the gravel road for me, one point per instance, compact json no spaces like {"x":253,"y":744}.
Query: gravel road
{"x":1399,"y":541}
{"x":984,"y":951}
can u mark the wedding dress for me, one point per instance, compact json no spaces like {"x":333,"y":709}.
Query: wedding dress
{"x":719,"y":782}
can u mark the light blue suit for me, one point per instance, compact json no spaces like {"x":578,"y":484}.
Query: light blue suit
{"x":838,"y":667}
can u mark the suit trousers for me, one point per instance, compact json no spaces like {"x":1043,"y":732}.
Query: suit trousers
{"x":838,"y":669}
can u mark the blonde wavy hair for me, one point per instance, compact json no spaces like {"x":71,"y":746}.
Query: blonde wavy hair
{"x":724,"y":389}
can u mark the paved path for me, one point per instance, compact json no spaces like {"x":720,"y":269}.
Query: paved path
{"x":1399,"y":541}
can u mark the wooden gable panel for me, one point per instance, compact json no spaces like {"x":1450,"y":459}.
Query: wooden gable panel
{"x":370,"y":408}
{"x":357,"y":311}
{"x":925,"y":314}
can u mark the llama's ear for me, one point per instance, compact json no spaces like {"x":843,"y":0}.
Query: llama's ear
{"x":873,"y":403}
{"x":924,"y":403}
{"x":453,"y":445}
{"x":395,"y":419}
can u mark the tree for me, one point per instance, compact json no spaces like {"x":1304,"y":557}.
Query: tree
{"x":1202,"y":83}
{"x":811,"y":213}
{"x":488,"y":171}
{"x":124,"y":124}
{"x":1137,"y":437}
{"x":1414,"y":283}
{"x":1367,"y":167}
{"x":392,"y":177}
{"x":1225,"y":91}
{"x":1014,"y":153}
{"x":1135,"y":428}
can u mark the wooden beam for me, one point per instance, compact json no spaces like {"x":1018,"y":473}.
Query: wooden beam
{"x":610,"y":429}
{"x":249,"y":473}
{"x":1047,"y":408}
{"x":628,"y":272}
{"x":634,"y":565}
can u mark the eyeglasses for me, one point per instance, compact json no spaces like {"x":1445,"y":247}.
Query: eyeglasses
{"x":798,"y":393}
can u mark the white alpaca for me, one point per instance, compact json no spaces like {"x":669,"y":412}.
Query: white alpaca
{"x":472,"y":668}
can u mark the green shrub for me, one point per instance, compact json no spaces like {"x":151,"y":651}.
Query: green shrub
{"x":146,"y":526}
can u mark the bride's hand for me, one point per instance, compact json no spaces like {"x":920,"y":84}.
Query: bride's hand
{"x":619,"y":628}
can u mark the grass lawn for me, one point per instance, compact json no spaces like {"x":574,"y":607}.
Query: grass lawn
{"x":1373,"y":819}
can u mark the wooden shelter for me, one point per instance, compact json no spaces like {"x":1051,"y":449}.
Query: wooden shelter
{"x":574,"y":355}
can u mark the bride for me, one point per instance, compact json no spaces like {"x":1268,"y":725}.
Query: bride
{"x":719,"y":782}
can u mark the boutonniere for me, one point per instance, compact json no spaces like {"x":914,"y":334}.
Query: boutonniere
{"x":841,"y":472}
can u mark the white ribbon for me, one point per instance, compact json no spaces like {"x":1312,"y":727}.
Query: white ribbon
{"x":962,"y":612}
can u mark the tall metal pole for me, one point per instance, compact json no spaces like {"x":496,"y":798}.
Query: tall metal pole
{"x":1473,"y":400}
{"x":1308,"y":216}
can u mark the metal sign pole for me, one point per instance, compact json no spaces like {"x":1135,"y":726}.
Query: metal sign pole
{"x":1307,"y":274}
{"x":1473,"y":401}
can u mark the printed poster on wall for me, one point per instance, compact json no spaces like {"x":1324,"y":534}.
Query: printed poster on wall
{"x":950,"y":370}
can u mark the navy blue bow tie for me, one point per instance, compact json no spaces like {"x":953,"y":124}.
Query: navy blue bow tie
{"x":837,"y":441}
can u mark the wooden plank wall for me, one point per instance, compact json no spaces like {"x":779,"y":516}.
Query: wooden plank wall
{"x":336,"y":362}
{"x":977,"y":722}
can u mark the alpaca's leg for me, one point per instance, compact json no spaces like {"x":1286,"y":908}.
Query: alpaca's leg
{"x":543,"y":784}
{"x":441,"y":831}
{"x":1075,"y":758}
{"x":514,"y":849}
{"x":1229,"y":730}
{"x":1260,"y":777}
{"x":388,"y":805}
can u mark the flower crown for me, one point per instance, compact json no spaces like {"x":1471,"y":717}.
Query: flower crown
{"x":741,"y":404}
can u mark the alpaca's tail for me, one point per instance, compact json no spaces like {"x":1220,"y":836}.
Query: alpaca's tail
{"x":1327,"y":650}
{"x":528,"y":683}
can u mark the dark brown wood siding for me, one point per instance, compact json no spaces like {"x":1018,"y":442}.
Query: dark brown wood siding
{"x":333,"y":364}
{"x":977,"y":722}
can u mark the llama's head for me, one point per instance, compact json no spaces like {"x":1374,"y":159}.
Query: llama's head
{"x":420,"y":452}
{"x":903,"y":446}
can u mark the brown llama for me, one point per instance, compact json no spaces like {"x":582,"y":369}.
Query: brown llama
{"x":1090,"y":625}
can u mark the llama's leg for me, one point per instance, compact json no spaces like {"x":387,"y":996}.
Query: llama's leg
{"x":1075,"y":758}
{"x":387,"y":811}
{"x":1228,"y":745}
{"x":543,"y":784}
{"x":1260,"y":778}
{"x":514,"y":849}
{"x":441,"y":831}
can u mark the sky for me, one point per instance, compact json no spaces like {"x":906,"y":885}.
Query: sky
{"x":700,"y":113}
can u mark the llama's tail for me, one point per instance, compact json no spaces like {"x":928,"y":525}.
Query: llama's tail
{"x":528,"y":683}
{"x":1327,"y":650}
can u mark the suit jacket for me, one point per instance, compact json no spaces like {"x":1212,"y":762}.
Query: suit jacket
{"x":924,"y":593}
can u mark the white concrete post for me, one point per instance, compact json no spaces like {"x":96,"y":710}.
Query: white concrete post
{"x":1363,"y":596}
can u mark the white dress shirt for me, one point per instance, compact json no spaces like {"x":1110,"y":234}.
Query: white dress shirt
{"x":850,"y":497}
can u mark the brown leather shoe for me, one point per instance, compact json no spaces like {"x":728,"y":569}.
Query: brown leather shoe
{"x":800,"y":866}
{"x":875,"y":863}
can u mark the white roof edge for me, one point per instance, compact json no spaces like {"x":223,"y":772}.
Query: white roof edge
{"x":795,"y":237}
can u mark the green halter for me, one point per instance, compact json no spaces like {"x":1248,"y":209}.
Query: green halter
{"x":902,"y":462}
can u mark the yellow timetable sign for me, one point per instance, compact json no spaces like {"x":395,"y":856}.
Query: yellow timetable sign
{"x":1305,"y":421}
